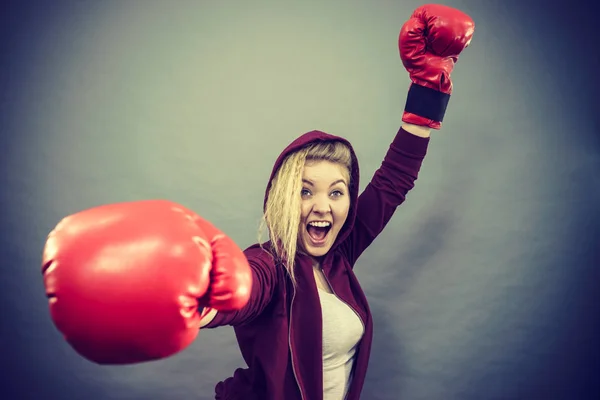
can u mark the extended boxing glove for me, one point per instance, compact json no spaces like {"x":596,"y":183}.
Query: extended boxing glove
{"x":126,"y":282}
{"x":429,"y":44}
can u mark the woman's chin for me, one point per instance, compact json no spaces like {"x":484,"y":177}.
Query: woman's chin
{"x":318,"y":251}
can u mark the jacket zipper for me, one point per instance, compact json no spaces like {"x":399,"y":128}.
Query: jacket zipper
{"x":349,"y":306}
{"x":291,"y":347}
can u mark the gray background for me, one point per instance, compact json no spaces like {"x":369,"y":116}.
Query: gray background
{"x":483,"y":286}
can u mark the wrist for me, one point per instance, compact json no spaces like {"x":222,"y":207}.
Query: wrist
{"x":207,"y":315}
{"x":417,"y":130}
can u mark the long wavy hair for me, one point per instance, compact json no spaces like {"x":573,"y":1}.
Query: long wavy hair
{"x":283,"y":208}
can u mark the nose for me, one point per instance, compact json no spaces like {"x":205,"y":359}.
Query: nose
{"x":321,"y":205}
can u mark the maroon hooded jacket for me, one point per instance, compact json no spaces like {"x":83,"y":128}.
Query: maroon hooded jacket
{"x":280,"y":330}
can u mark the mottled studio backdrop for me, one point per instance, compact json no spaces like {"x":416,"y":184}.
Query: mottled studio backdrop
{"x":484,"y":285}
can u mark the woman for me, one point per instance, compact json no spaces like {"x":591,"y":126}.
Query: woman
{"x":133,"y":282}
{"x":282,"y":325}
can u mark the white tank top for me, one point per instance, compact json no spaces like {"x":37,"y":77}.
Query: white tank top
{"x":342,"y":330}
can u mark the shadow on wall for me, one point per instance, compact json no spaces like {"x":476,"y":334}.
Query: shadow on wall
{"x":390,"y":368}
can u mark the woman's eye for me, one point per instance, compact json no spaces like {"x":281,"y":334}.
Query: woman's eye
{"x":337,"y":193}
{"x":305,"y":192}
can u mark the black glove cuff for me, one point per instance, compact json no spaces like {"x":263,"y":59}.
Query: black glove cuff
{"x":427,"y":103}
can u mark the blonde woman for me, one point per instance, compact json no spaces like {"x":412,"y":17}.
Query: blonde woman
{"x":134,"y":282}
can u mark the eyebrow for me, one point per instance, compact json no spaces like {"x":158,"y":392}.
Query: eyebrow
{"x":309,"y":182}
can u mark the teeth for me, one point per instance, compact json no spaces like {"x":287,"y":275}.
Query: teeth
{"x":320,"y":224}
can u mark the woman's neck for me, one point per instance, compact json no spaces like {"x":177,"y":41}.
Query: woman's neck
{"x":316,"y":261}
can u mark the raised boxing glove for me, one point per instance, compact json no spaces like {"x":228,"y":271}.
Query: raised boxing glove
{"x":429,"y":44}
{"x":126,"y":282}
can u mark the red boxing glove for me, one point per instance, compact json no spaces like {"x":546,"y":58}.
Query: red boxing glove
{"x":126,"y":282}
{"x":430,"y":43}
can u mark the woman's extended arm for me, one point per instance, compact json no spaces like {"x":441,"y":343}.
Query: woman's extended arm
{"x":264,"y":283}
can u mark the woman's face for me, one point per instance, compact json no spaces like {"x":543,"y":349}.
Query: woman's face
{"x":324,"y":207}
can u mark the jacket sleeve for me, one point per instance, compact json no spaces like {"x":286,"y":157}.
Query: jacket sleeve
{"x":264,"y":281}
{"x":386,"y":191}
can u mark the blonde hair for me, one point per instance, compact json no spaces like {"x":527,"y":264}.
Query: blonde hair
{"x":282,"y":211}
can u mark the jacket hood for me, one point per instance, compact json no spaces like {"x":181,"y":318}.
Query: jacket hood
{"x":319,"y":136}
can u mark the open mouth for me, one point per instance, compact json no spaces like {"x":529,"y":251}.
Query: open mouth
{"x":318,"y":230}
